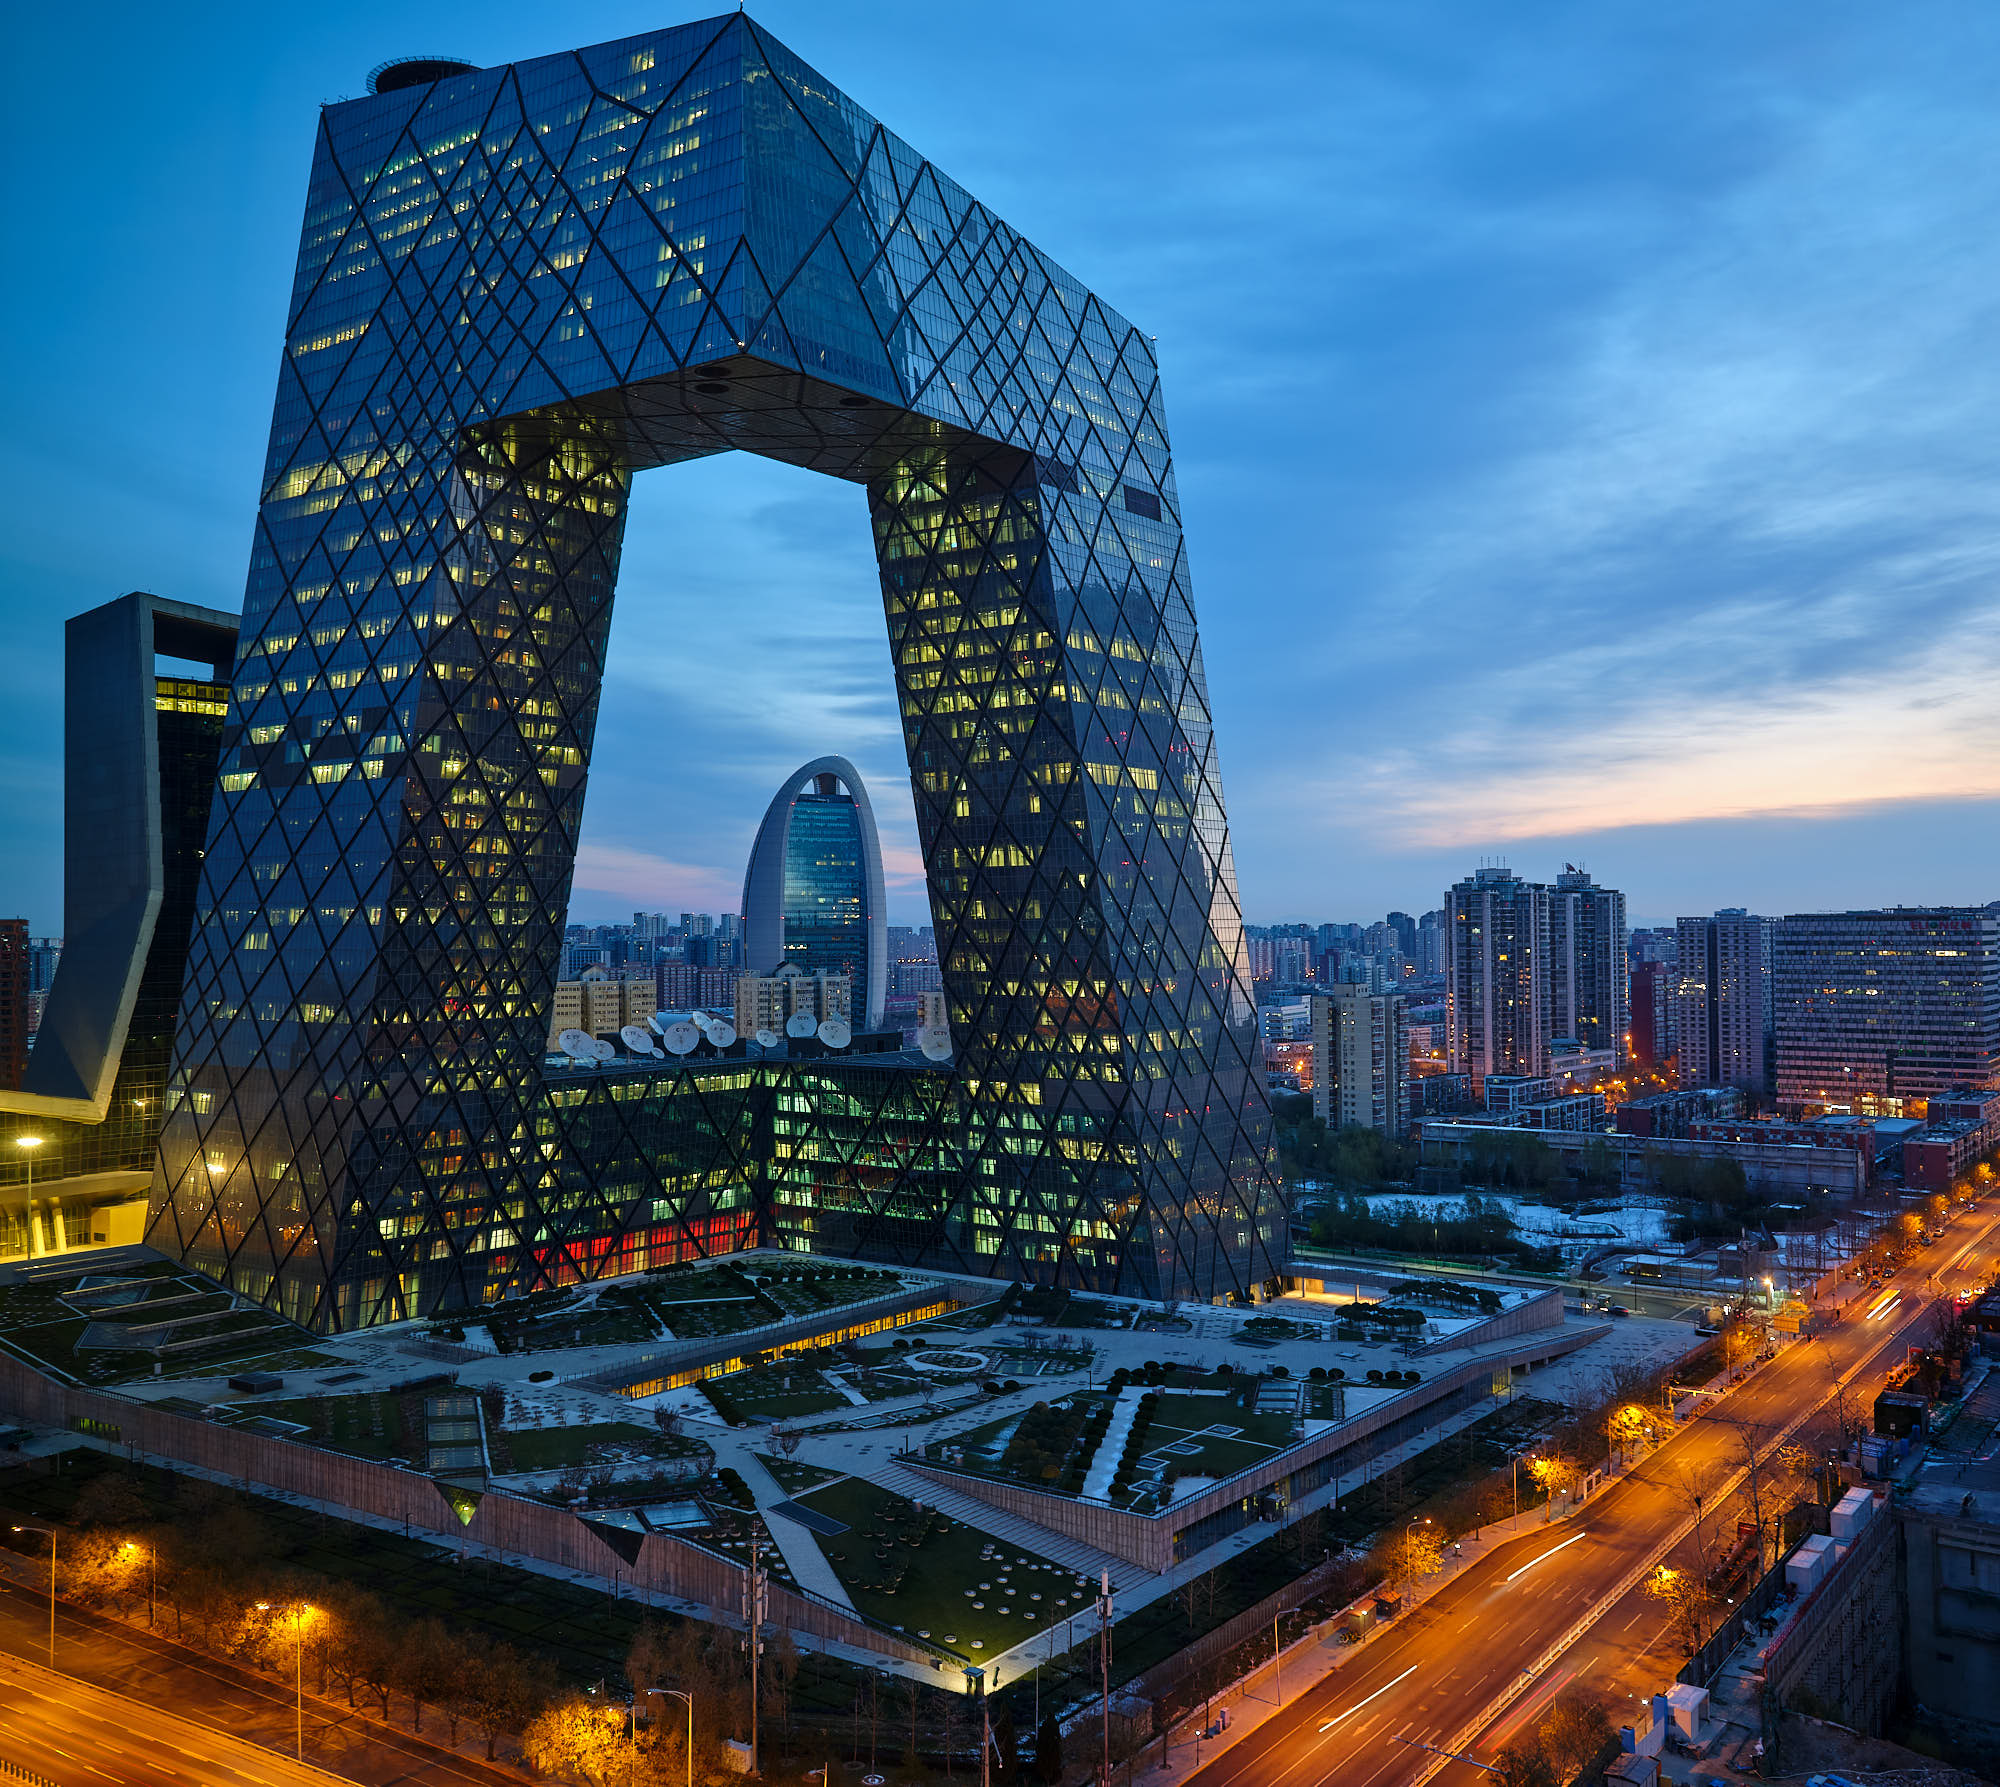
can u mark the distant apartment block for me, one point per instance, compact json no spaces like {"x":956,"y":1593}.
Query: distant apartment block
{"x":766,"y":1001}
{"x":1874,"y":1010}
{"x":1496,"y":975}
{"x":1361,"y":1058}
{"x":1722,"y":1000}
{"x":598,"y":1005}
{"x":681,"y":986}
{"x":1587,"y":989}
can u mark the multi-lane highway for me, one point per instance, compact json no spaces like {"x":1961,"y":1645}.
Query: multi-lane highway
{"x":144,"y":1712}
{"x":1491,"y":1632}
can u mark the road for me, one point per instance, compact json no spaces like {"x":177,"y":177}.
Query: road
{"x":1489,"y":1631}
{"x":100,"y":1720}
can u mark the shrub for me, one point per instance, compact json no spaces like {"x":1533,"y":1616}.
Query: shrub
{"x":1276,"y":1371}
{"x":1374,"y":1377}
{"x":540,"y":1377}
{"x":1317,"y":1373}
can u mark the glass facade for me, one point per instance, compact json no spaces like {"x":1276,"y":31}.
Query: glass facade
{"x":826,"y":912}
{"x":517,"y":287}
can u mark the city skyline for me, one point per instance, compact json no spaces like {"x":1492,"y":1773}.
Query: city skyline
{"x":1483,"y":479}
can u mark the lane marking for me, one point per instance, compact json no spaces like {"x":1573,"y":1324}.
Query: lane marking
{"x":1553,"y":1549}
{"x":1377,"y":1695}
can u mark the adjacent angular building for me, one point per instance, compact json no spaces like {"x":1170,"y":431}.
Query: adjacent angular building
{"x":813,"y":894}
{"x":140,"y":751}
{"x":517,"y":288}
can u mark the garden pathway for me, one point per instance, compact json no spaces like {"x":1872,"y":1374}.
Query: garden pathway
{"x":798,"y":1547}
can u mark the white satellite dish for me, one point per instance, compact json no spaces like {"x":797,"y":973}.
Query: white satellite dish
{"x":722,"y":1033}
{"x":836,"y":1033}
{"x":659,"y":1021}
{"x":603,"y":1048}
{"x":680,"y":1037}
{"x":576,"y":1042}
{"x":767,"y":1039}
{"x":638,"y":1039}
{"x":935,"y":1041}
{"x":800,"y":1023}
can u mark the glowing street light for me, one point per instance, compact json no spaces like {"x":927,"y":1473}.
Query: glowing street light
{"x":678,"y":1694}
{"x":298,"y":1615}
{"x":151,"y":1575}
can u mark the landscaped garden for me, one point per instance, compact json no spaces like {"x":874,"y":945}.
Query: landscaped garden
{"x":367,"y":1426}
{"x":921,"y":1571}
{"x":107,"y":1326}
{"x":673,"y":1303}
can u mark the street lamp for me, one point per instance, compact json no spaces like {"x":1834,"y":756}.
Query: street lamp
{"x":49,"y":1534}
{"x":298,"y":1616}
{"x":151,"y":1575}
{"x":678,"y":1694}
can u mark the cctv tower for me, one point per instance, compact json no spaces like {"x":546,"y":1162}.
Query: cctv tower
{"x":517,"y":288}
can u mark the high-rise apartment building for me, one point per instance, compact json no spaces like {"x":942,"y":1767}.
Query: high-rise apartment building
{"x":1877,"y":1009}
{"x":813,"y":895}
{"x":1496,"y":975}
{"x":1587,"y":988}
{"x":1361,"y":1059}
{"x":1721,"y":1000}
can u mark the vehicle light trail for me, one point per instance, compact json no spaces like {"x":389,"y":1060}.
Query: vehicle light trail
{"x":1552,"y":1550}
{"x":1377,"y":1695}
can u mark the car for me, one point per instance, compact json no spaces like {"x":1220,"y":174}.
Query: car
{"x":1619,"y":1309}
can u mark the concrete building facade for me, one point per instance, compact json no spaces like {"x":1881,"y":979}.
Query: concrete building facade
{"x":1879,"y":1010}
{"x":1496,"y":975}
{"x":1361,"y":1059}
{"x":1722,"y":1000}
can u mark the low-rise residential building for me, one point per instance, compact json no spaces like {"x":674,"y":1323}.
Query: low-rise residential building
{"x":766,"y":1001}
{"x":598,"y":1005}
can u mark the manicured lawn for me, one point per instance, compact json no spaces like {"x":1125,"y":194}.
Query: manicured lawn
{"x":557,"y":1448}
{"x":366,"y":1426}
{"x":790,"y":1387}
{"x":794,"y":1475}
{"x":914,"y":1568}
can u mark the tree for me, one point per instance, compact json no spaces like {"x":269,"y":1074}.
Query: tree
{"x":1524,"y":1764}
{"x":1048,"y":1751}
{"x":111,"y":1499}
{"x":425,"y":1662}
{"x":504,"y":1691}
{"x":1686,"y":1598}
{"x":1410,"y":1553}
{"x":1573,"y":1731}
{"x":579,"y":1740}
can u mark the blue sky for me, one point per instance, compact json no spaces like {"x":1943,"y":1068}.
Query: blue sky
{"x":1584,"y":418}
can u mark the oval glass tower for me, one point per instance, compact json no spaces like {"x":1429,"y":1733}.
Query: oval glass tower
{"x":813,"y":896}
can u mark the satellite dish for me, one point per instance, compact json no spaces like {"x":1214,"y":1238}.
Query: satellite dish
{"x":836,"y":1033}
{"x":638,"y":1039}
{"x":935,"y":1041}
{"x":800,"y":1023}
{"x":659,"y":1021}
{"x":767,"y":1039}
{"x":603,"y":1049}
{"x":576,"y":1042}
{"x":722,"y":1033}
{"x":680,"y":1037}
